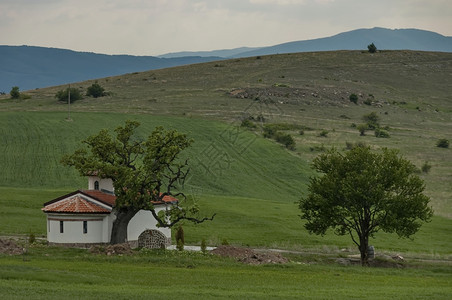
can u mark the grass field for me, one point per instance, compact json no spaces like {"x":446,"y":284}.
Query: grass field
{"x":52,"y":273}
{"x":251,"y":183}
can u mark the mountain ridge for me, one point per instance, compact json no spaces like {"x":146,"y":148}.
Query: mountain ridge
{"x":31,"y":67}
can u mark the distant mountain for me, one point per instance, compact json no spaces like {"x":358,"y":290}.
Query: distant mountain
{"x":221,"y":53}
{"x":384,"y":39}
{"x":35,"y":67}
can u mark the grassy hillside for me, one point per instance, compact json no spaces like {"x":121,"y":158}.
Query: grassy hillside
{"x":252,"y":181}
{"x":224,"y":159}
{"x":410,"y":92}
{"x":52,"y":273}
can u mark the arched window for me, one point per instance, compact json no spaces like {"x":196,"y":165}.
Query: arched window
{"x":96,"y":185}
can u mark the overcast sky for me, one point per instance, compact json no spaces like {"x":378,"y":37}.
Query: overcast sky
{"x":152,"y":27}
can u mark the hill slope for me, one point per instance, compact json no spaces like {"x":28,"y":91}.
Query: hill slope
{"x":410,"y":92}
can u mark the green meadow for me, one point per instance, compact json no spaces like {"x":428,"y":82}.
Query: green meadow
{"x":49,"y":273}
{"x":252,"y":183}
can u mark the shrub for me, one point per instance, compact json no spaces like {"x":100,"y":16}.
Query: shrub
{"x":380,"y":133}
{"x":323,"y":133}
{"x":95,"y":90}
{"x":180,"y":245}
{"x":372,"y":120}
{"x":426,"y":167}
{"x":353,"y":98}
{"x":286,"y":139}
{"x":362,"y":129}
{"x":248,"y":124}
{"x":203,"y":246}
{"x":372,"y":48}
{"x":269,"y":132}
{"x":31,"y":238}
{"x":442,"y":143}
{"x":63,"y":94}
{"x":15,"y":94}
{"x":180,"y":240}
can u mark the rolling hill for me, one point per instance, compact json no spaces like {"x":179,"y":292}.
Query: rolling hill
{"x":36,"y":67}
{"x":256,"y":180}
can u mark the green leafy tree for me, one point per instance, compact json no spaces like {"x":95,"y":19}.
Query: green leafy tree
{"x":63,"y":95}
{"x":15,"y":94}
{"x":362,"y":129}
{"x":95,"y":90}
{"x":361,"y":192}
{"x":285,"y":139}
{"x":372,"y":120}
{"x":143,"y":172}
{"x":372,"y":48}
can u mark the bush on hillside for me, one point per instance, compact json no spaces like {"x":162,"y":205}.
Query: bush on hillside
{"x":63,"y":94}
{"x":248,"y":124}
{"x":353,"y":98}
{"x":285,"y":139}
{"x":95,"y":90}
{"x":269,"y":132}
{"x":426,"y":167}
{"x":323,"y":133}
{"x":15,"y":94}
{"x":362,"y":129}
{"x":442,"y":143}
{"x":372,"y":48}
{"x":372,"y":120}
{"x":381,"y":133}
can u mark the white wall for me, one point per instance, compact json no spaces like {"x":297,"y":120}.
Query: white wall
{"x":99,"y":227}
{"x":73,"y":228}
{"x":144,"y":220}
{"x":104,"y":183}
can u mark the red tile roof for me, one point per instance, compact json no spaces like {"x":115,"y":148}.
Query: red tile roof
{"x":106,"y":198}
{"x":76,"y":204}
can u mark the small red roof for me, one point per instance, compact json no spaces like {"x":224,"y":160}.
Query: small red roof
{"x":76,"y":204}
{"x":82,"y":202}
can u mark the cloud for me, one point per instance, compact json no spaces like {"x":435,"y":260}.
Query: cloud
{"x":159,"y":26}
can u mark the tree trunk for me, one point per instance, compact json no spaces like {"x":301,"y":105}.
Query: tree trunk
{"x":119,"y":229}
{"x":363,"y":249}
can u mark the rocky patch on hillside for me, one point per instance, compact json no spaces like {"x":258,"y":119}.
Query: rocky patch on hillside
{"x":10,"y":247}
{"x":330,"y":96}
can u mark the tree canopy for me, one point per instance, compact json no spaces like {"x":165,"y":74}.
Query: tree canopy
{"x":372,"y":48}
{"x":143,"y":172}
{"x":14,"y":93}
{"x":361,"y":192}
{"x":95,"y":90}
